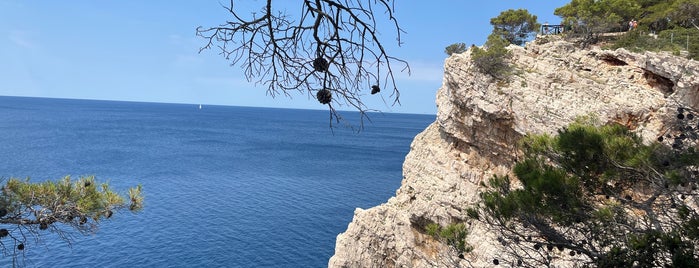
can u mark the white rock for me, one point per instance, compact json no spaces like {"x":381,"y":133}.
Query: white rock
{"x":479,"y":122}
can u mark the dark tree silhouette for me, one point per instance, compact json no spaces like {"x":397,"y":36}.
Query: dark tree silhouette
{"x":330,"y":50}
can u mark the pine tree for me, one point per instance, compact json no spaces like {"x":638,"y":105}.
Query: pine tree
{"x":493,"y":58}
{"x":515,"y":26}
{"x":599,"y":196}
{"x":27,"y":209}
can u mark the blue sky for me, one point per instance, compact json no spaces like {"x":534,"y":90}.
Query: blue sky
{"x":147,"y":50}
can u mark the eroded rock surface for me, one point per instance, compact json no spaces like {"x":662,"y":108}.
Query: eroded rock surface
{"x":479,"y":122}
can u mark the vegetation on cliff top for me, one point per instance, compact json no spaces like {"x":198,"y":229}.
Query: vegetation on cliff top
{"x":515,"y":26}
{"x":661,"y":25}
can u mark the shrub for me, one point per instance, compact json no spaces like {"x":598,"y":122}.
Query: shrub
{"x":581,"y":193}
{"x":455,"y":48}
{"x":453,"y":235}
{"x":672,"y":40}
{"x":493,"y":59}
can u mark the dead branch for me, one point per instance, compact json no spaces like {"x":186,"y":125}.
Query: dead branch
{"x":331,"y":45}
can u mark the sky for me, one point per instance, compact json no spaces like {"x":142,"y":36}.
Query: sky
{"x":147,"y":51}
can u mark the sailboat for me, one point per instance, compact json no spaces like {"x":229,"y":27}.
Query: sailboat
{"x":199,"y":106}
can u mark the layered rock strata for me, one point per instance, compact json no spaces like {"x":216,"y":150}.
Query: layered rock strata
{"x":479,"y":122}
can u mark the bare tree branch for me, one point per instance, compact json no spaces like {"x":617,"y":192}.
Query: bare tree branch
{"x":332,"y":51}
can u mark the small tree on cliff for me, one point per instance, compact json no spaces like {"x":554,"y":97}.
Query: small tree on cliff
{"x":515,"y":26}
{"x":27,"y":209}
{"x":455,"y":48}
{"x":599,"y":196}
{"x":331,"y":50}
{"x":492,"y":59}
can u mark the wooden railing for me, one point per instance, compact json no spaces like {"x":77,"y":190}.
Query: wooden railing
{"x":551,"y":29}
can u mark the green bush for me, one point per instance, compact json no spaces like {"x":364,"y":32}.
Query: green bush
{"x":674,"y":40}
{"x":515,"y":26}
{"x":601,"y":193}
{"x":493,"y":59}
{"x":455,"y":48}
{"x":453,"y":235}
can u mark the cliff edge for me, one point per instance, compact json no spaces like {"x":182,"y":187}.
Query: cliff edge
{"x":480,"y":120}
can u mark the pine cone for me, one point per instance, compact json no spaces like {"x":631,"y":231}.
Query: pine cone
{"x":320,"y":64}
{"x":324,"y":96}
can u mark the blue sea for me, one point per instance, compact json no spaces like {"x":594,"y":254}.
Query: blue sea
{"x":224,"y":186}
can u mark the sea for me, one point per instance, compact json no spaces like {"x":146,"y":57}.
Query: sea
{"x":224,"y":186}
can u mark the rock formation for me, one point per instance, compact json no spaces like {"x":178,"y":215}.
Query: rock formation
{"x":479,"y":122}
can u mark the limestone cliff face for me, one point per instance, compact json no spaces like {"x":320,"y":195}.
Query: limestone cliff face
{"x":479,"y":121}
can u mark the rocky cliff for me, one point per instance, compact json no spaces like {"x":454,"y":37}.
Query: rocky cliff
{"x":479,"y":121}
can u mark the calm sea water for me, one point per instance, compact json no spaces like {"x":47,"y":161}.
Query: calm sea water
{"x":224,"y":186}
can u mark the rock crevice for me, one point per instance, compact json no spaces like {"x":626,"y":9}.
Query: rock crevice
{"x":479,"y":121}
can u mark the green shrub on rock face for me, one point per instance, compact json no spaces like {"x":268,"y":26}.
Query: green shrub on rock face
{"x":453,"y":235}
{"x":455,"y":48}
{"x":600,"y":194}
{"x":510,"y":27}
{"x":432,"y":229}
{"x":492,"y":59}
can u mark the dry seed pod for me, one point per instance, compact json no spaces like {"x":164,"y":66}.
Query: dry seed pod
{"x":320,"y":64}
{"x":324,"y":96}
